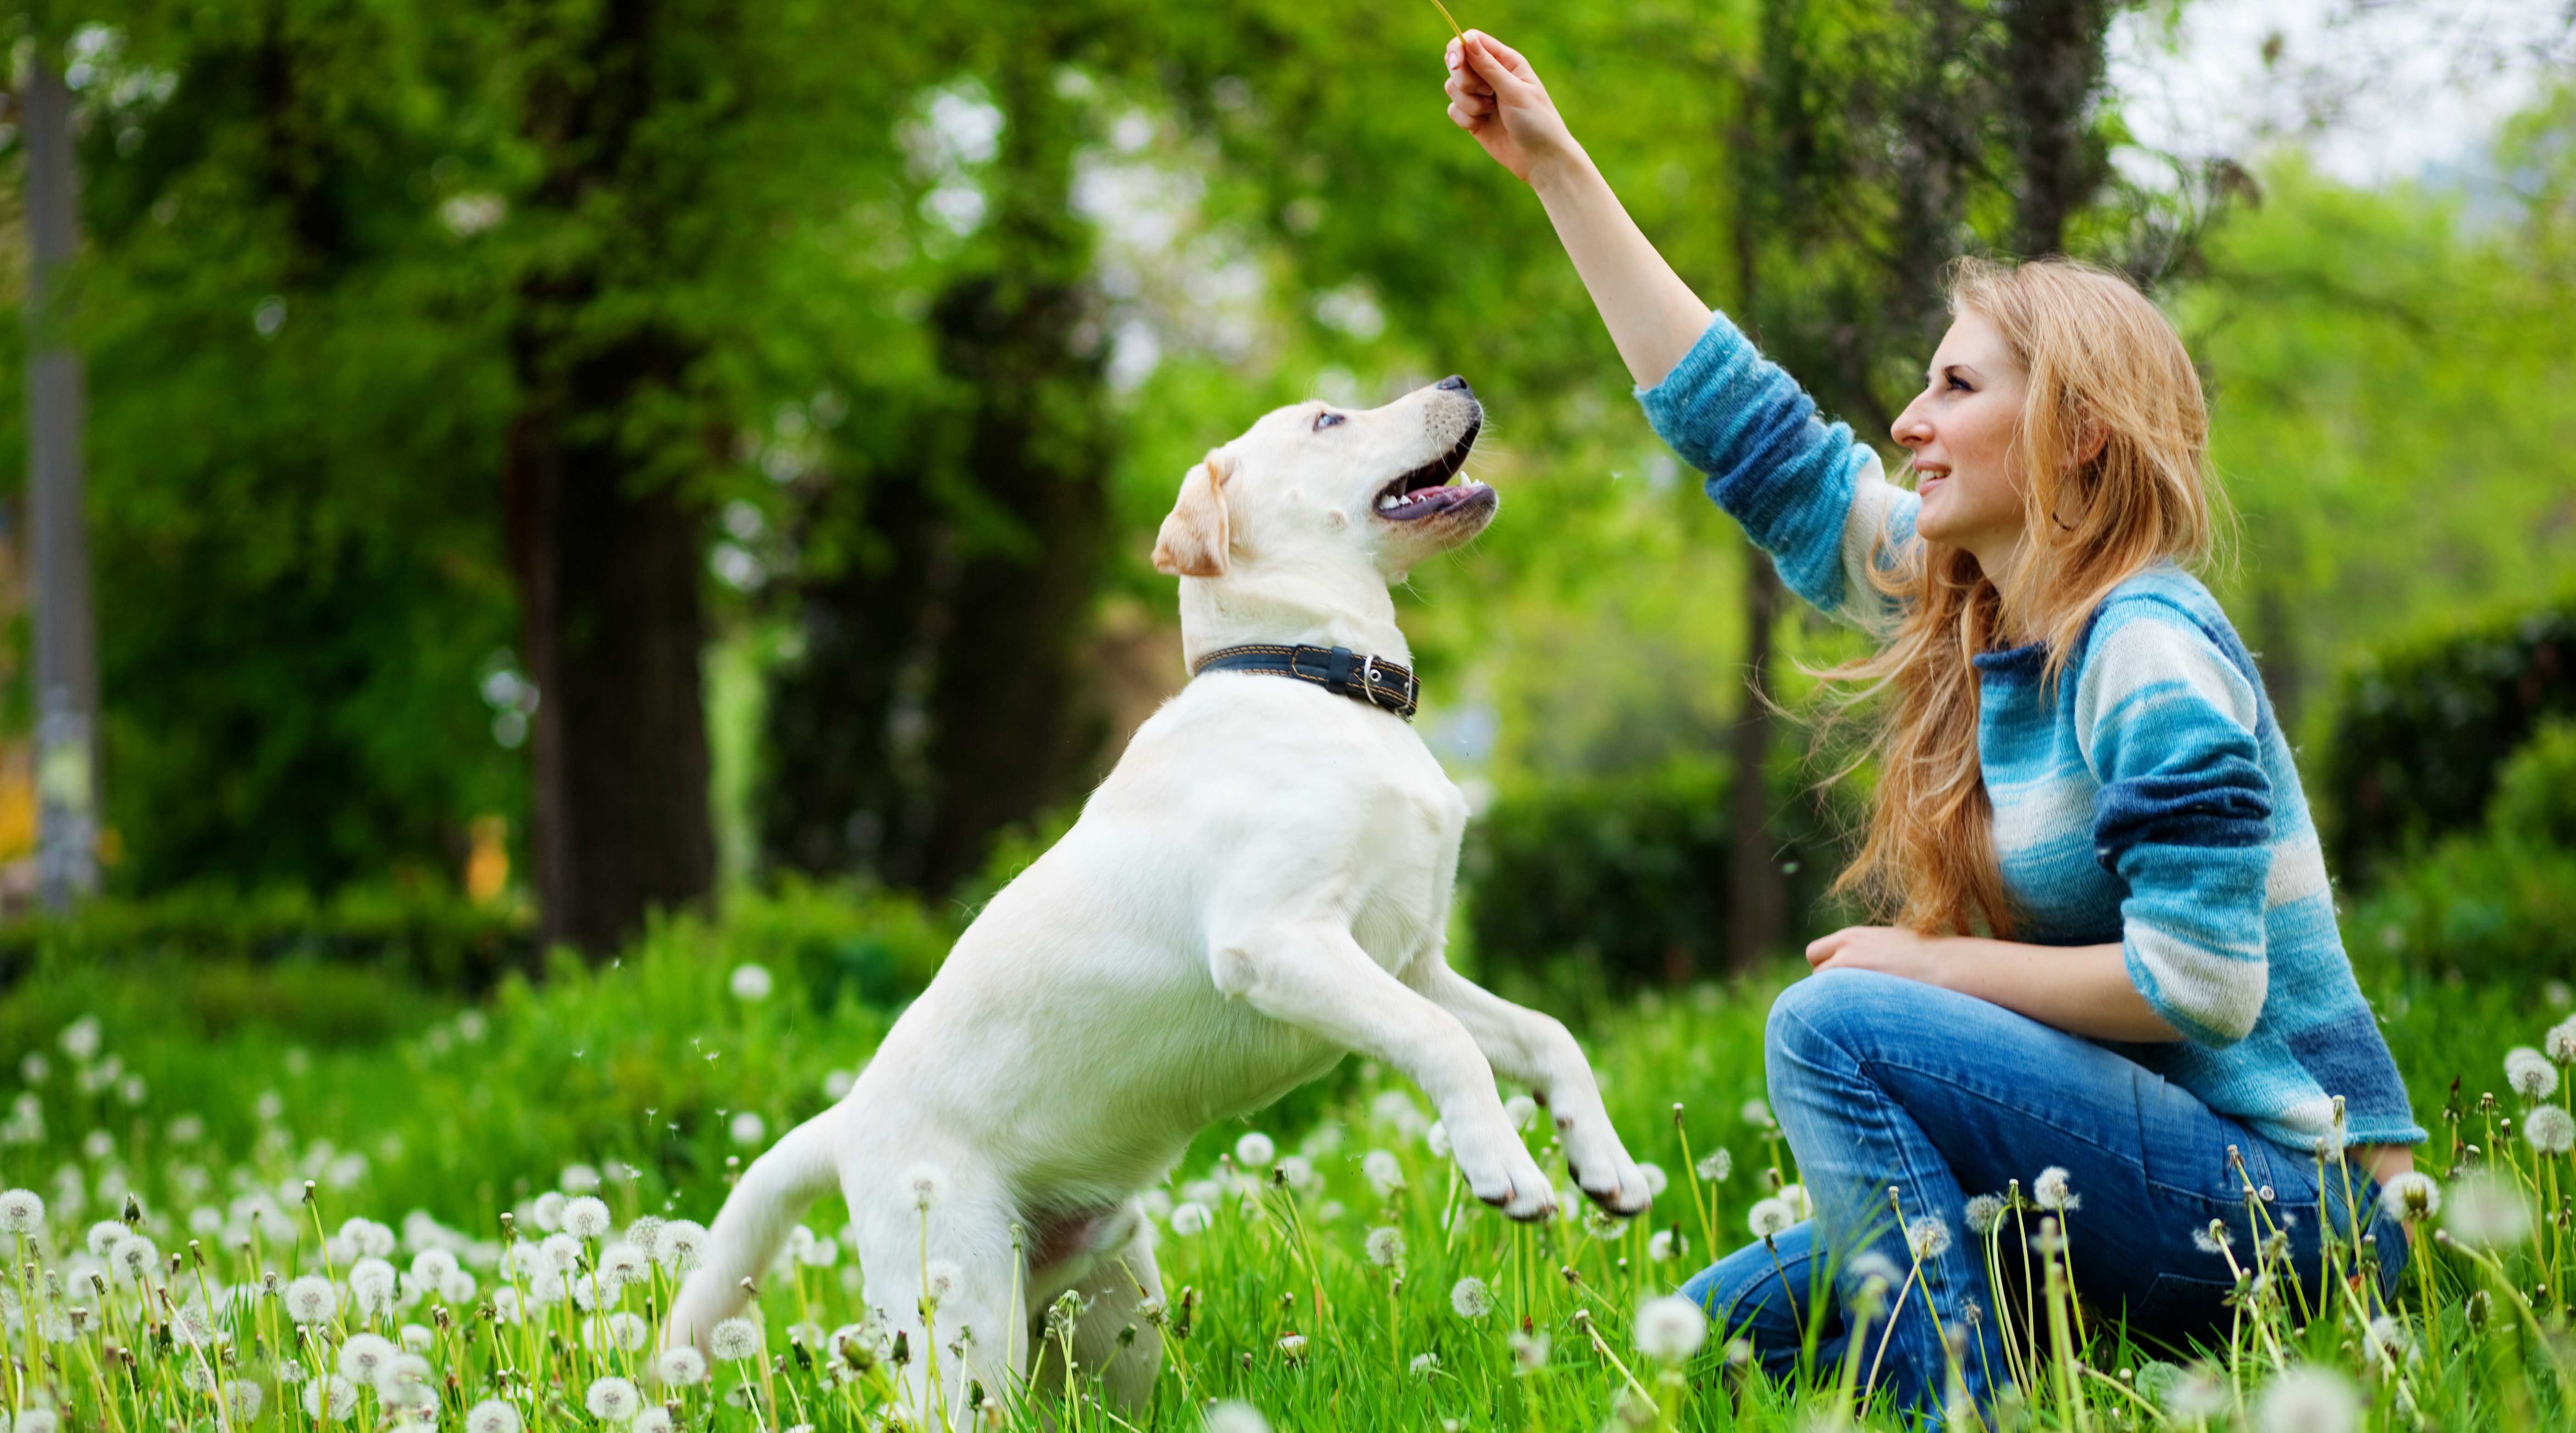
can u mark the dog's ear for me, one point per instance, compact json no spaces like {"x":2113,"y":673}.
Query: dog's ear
{"x":1195,"y":537}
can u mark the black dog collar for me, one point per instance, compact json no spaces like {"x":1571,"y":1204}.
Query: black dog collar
{"x":1338,"y":670}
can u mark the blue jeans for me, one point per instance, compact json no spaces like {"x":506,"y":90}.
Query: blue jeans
{"x":1878,"y":1081}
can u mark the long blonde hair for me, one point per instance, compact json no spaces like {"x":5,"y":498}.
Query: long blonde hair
{"x":2101,"y":363}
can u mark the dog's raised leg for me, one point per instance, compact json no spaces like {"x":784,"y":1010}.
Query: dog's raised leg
{"x":1538,"y":1051}
{"x":1312,"y":974}
{"x":961,"y":1316}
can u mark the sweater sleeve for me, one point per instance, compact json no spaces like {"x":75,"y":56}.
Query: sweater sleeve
{"x":1806,"y":492}
{"x":2167,"y":721}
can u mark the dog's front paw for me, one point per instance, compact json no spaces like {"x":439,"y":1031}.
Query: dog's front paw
{"x":1600,"y":1163}
{"x":1498,"y":1170}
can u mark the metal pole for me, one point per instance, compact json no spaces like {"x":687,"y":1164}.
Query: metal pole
{"x":66,"y":662}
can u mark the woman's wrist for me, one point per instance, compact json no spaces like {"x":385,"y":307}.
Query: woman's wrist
{"x":1560,"y":174}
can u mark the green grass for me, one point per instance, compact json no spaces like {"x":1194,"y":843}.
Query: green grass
{"x":213,"y":1084}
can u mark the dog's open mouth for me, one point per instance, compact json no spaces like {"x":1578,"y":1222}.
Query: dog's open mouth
{"x":1428,"y":489}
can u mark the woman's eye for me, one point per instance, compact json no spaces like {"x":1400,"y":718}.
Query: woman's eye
{"x":1958,"y":385}
{"x":1327,"y":420}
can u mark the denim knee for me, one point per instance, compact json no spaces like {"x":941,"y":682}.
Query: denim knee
{"x":1836,"y":1009}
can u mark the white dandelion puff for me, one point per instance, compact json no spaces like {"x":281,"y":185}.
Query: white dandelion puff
{"x":682,"y":1245}
{"x":1529,"y":1351}
{"x":2049,"y":1191}
{"x":1385,"y":1246}
{"x":626,"y":1331}
{"x":1236,"y":1416}
{"x":37,"y":1420}
{"x":366,"y":1356}
{"x":242,"y":1399}
{"x":1470,"y":1298}
{"x":2485,"y":1212}
{"x":925,"y":1183}
{"x":747,"y":1128}
{"x":290,"y":1373}
{"x":22,"y":1211}
{"x":1255,"y":1150}
{"x":645,"y":1233}
{"x":430,"y":1267}
{"x":136,"y":1258}
{"x":586,"y":1217}
{"x":2412,"y":1197}
{"x":1983,"y":1213}
{"x":457,"y":1288}
{"x":2550,"y":1129}
{"x":1660,"y":1248}
{"x":312,"y":1299}
{"x":2392,"y":1340}
{"x":734,"y":1340}
{"x":681,"y":1366}
{"x":1190,"y":1218}
{"x":1382,"y":1171}
{"x":1872,"y":1267}
{"x":1771,"y":1217}
{"x":1795,"y":1196}
{"x":493,"y":1415}
{"x":2308,"y":1399}
{"x":339,"y":1393}
{"x":1928,"y":1237}
{"x":612,"y":1400}
{"x":1424,"y":1365}
{"x":1521,"y":1110}
{"x":750,"y":983}
{"x":2560,"y":1043}
{"x":371,"y":1285}
{"x":547,"y":1212}
{"x":1436,"y":1139}
{"x":103,"y":1238}
{"x":2529,"y":1073}
{"x":2213,"y":1237}
{"x":653,"y":1418}
{"x":1671,"y":1329}
{"x":1715,"y":1166}
{"x":417,"y":1338}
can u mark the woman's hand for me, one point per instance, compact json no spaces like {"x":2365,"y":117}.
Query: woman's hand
{"x":1892,"y":950}
{"x":1495,"y":96}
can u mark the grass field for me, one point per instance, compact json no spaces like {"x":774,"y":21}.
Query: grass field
{"x":216,"y":1097}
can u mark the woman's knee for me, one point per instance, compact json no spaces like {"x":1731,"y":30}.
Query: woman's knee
{"x":1759,"y":1291}
{"x":1837,"y":1009}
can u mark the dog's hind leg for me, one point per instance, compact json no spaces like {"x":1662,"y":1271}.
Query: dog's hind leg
{"x":1117,"y":1333}
{"x":959,"y":1312}
{"x":753,"y":1223}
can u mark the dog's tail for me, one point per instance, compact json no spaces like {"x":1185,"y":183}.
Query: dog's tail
{"x":755,"y":1219}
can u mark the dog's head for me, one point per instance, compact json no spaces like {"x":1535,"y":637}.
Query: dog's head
{"x":1315,"y":485}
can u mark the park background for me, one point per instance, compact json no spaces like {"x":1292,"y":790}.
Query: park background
{"x":584,"y":496}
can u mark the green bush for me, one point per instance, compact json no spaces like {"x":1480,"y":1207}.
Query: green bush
{"x":1626,"y":875}
{"x":2502,"y":901}
{"x":2419,"y":733}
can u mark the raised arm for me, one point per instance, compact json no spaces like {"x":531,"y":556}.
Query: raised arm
{"x":1652,"y":315}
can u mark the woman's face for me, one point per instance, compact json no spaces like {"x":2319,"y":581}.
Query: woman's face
{"x":1959,"y":429}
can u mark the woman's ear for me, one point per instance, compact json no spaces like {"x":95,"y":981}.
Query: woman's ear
{"x":1195,"y":537}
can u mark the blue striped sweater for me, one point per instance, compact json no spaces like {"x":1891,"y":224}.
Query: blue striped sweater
{"x":2147,"y":797}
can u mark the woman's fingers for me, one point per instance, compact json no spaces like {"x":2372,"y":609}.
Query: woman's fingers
{"x":1462,"y":119}
{"x":1489,"y":67}
{"x":1512,"y":61}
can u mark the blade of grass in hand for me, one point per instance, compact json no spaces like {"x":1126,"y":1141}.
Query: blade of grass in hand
{"x":1452,"y":19}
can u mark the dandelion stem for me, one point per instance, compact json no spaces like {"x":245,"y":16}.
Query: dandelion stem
{"x":1452,"y":19}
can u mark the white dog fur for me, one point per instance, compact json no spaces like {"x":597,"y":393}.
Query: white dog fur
{"x":1261,"y":885}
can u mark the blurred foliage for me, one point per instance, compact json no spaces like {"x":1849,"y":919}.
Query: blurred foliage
{"x":2421,"y":730}
{"x":2498,"y":902}
{"x":1624,"y":875}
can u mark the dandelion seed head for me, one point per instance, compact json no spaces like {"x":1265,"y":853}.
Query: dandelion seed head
{"x":2393,"y":1341}
{"x":1795,"y":1196}
{"x":366,"y":1356}
{"x":1715,"y":1165}
{"x":430,"y":1267}
{"x":2550,"y":1129}
{"x":645,"y":1234}
{"x":312,"y":1299}
{"x":547,"y":1210}
{"x":681,"y":1245}
{"x":2529,"y":1073}
{"x":2485,"y":1212}
{"x":734,"y":1339}
{"x":1382,"y":1170}
{"x":1424,"y":1365}
{"x":493,"y":1415}
{"x":333,"y":1391}
{"x":925,"y":1183}
{"x":1521,"y":1110}
{"x":1771,"y":1217}
{"x":37,"y":1420}
{"x":103,"y":1238}
{"x":653,"y":1418}
{"x":1190,"y":1218}
{"x":21,"y":1212}
{"x":2307,"y":1399}
{"x":1928,"y":1237}
{"x":746,"y":1128}
{"x":1385,"y":1246}
{"x":2560,"y":1043}
{"x":457,"y":1288}
{"x":586,"y":1217}
{"x":750,"y":983}
{"x":242,"y":1399}
{"x":417,"y":1338}
{"x":1469,"y":1298}
{"x":1670,"y":1329}
{"x":1293,"y":1347}
{"x":1598,"y":1222}
{"x":681,"y":1366}
{"x":1983,"y":1213}
{"x":612,"y":1400}
{"x":621,"y":1264}
{"x":1236,"y":1416}
{"x":2412,"y":1196}
{"x":1656,"y":1180}
{"x":371,"y":1285}
{"x":1530,"y":1351}
{"x":1255,"y":1150}
{"x":2050,"y":1191}
{"x":1870,"y":1266}
{"x":1436,"y":1139}
{"x":2213,"y":1237}
{"x":1660,"y":1248}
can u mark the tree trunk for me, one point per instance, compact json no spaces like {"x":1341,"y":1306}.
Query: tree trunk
{"x":606,"y":545}
{"x":2052,"y":66}
{"x":1756,"y":904}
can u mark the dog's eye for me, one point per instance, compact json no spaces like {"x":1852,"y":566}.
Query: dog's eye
{"x":1327,"y":419}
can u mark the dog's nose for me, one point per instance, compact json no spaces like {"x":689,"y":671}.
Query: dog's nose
{"x":1454,"y":384}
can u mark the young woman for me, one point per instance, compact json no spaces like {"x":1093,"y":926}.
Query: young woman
{"x":2077,"y":758}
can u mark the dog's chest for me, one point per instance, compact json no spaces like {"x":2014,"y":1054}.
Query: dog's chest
{"x":1407,"y":863}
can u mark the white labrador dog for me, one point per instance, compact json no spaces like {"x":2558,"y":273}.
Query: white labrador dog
{"x":1261,"y":885}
